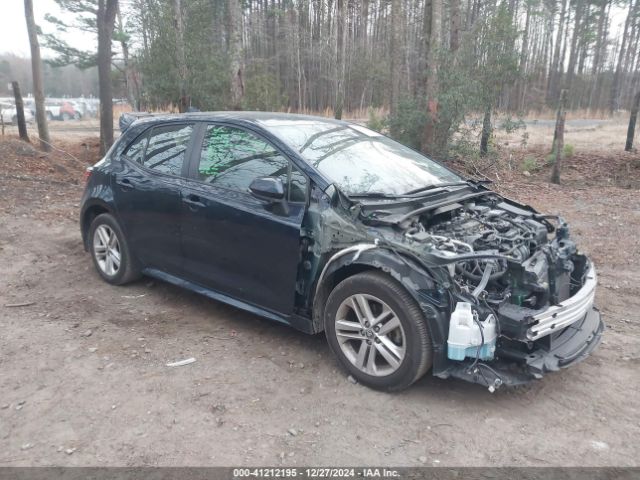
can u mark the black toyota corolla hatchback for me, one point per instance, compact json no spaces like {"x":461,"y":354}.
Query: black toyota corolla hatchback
{"x":328,"y":226}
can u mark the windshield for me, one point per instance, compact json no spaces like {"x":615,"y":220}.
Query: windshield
{"x":359,"y":160}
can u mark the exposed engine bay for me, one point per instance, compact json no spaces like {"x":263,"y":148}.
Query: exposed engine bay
{"x":523,"y":263}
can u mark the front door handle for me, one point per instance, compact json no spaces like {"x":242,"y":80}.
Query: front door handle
{"x":125,"y":183}
{"x":193,"y":201}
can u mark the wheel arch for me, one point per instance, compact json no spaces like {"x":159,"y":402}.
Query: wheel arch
{"x":91,"y":211}
{"x":413,"y":277}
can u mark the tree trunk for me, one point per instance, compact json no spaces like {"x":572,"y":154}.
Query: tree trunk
{"x":454,"y":34}
{"x":486,"y":131}
{"x":22,"y":124}
{"x":36,"y":71}
{"x":598,"y":54}
{"x":181,"y":59}
{"x":573,"y":52}
{"x":631,"y":130}
{"x":600,"y":40}
{"x":522,"y":66}
{"x":614,"y":98}
{"x":129,"y":75}
{"x":431,"y":89}
{"x":236,"y":67}
{"x":556,"y":65}
{"x":341,"y":21}
{"x":559,"y":137}
{"x":395,"y":48}
{"x":105,"y":19}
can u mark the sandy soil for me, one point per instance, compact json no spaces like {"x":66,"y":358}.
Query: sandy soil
{"x":84,"y":381}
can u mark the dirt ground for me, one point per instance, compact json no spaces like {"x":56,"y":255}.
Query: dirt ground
{"x":84,"y":381}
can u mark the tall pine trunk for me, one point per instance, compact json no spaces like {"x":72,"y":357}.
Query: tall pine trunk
{"x":431,"y":88}
{"x":236,"y":67}
{"x":181,"y":59}
{"x":558,"y":143}
{"x":105,"y":20}
{"x":341,"y":21}
{"x":555,"y":72}
{"x":394,"y":48}
{"x":631,"y":130}
{"x":36,"y":71}
{"x":614,"y":97}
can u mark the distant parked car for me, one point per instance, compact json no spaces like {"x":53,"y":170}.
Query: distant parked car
{"x":53,"y":111}
{"x":61,"y":111}
{"x":10,"y":114}
{"x":69,"y":112}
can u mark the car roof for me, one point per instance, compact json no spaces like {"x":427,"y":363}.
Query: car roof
{"x":246,"y":117}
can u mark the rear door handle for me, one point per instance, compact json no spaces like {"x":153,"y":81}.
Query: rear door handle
{"x":193,"y":201}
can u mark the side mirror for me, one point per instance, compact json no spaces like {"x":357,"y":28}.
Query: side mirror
{"x":267,"y":188}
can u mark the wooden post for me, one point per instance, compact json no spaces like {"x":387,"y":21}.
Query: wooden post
{"x":22,"y":124}
{"x":631,"y":130}
{"x":559,"y":134}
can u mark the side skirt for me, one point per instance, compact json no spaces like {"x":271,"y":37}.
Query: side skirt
{"x":295,"y":321}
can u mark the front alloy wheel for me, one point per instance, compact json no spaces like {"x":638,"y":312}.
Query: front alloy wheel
{"x":370,"y":335}
{"x":378,"y":331}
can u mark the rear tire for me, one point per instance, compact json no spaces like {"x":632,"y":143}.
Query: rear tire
{"x":371,"y":314}
{"x":110,"y":251}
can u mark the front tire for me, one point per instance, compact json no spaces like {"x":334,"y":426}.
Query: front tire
{"x":110,"y":251}
{"x":378,"y":331}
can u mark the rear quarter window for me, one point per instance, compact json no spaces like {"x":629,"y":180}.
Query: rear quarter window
{"x":162,"y":148}
{"x":135,"y":151}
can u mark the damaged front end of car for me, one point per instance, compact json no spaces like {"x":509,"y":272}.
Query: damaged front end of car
{"x":506,"y":293}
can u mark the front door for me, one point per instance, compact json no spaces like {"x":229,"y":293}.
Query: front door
{"x":233,"y":242}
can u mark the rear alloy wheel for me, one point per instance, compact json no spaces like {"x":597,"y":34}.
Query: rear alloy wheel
{"x":106,"y":248}
{"x":377,"y":331}
{"x":110,"y":252}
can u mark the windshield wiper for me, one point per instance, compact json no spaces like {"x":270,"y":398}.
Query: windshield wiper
{"x":434,"y":186}
{"x":409,"y":194}
{"x":374,"y":195}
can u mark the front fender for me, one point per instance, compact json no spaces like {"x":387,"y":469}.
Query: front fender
{"x":433,"y":299}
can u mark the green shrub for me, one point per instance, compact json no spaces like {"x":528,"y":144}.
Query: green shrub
{"x":551,"y":158}
{"x":376,"y":122}
{"x":407,"y":124}
{"x":567,"y":151}
{"x":529,"y":164}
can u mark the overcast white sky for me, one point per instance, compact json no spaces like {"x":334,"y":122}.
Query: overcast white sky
{"x":13,"y":29}
{"x":14,"y":39}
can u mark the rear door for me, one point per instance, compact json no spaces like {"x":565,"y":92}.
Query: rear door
{"x":233,"y":242}
{"x":147,"y":194}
